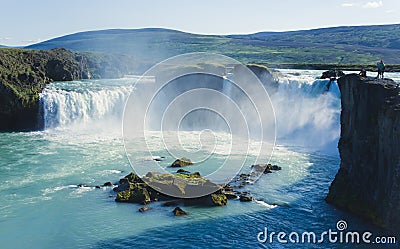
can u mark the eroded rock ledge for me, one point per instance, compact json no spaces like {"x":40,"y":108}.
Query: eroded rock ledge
{"x":368,"y":181}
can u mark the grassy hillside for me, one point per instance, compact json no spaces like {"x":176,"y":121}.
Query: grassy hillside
{"x":379,"y":36}
{"x":340,"y":45}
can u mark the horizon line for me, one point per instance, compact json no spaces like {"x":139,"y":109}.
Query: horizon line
{"x":195,"y":33}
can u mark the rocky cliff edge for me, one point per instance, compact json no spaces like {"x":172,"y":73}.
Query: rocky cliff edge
{"x":368,"y":181}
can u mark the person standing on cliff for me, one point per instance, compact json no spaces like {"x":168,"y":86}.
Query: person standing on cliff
{"x":363,"y":73}
{"x":381,"y":69}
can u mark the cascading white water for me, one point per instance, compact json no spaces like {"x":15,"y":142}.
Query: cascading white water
{"x":307,"y":109}
{"x":307,"y":112}
{"x":83,"y":104}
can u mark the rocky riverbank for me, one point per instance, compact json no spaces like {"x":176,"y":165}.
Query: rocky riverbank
{"x":368,"y":181}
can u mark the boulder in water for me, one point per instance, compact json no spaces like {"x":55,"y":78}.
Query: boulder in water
{"x":132,"y":177}
{"x":181,"y":162}
{"x":265,"y":168}
{"x":144,"y":209}
{"x":275,"y":167}
{"x":153,"y":186}
{"x":137,"y":193}
{"x":107,"y":184}
{"x":179,"y":212}
{"x":182,"y":171}
{"x":219,"y":199}
{"x":244,"y":198}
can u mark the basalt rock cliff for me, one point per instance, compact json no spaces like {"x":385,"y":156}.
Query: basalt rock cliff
{"x":368,"y":181}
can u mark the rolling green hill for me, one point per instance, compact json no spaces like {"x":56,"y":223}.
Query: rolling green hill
{"x":339,"y":45}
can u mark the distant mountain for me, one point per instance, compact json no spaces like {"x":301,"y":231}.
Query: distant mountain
{"x":378,"y":36}
{"x":341,"y":45}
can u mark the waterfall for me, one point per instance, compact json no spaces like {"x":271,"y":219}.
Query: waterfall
{"x":80,"y":104}
{"x":307,"y":112}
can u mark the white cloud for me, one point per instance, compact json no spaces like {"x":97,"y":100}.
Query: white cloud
{"x":374,"y":4}
{"x":367,"y":5}
{"x":349,"y":4}
{"x":5,"y":38}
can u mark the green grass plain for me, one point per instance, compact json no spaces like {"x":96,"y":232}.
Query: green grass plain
{"x":359,"y":45}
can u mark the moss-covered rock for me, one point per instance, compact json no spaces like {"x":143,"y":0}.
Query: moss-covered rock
{"x":132,"y":177}
{"x":137,"y":193}
{"x":219,"y":199}
{"x":153,"y":185}
{"x":179,"y":212}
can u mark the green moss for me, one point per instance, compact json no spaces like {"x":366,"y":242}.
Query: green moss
{"x":219,"y":199}
{"x":123,"y":196}
{"x":136,"y":194}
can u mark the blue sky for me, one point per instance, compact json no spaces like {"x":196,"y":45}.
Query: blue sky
{"x":27,"y":21}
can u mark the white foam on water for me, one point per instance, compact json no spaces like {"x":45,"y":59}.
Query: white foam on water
{"x":262,"y":203}
{"x":80,"y":191}
{"x":111,"y":171}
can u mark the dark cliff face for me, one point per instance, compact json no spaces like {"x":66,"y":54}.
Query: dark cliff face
{"x":368,"y":181}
